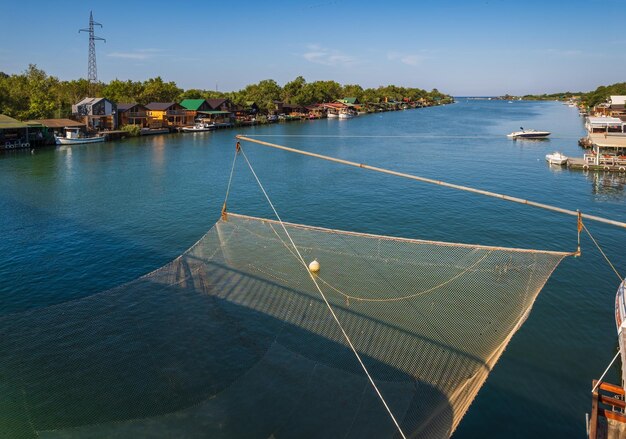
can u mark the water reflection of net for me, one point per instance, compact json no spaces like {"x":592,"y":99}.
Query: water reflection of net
{"x":232,"y":339}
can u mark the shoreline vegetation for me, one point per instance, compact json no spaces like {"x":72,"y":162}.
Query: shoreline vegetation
{"x":35,"y":95}
{"x":585,"y":99}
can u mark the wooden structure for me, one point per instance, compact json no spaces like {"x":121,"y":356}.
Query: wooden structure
{"x":96,"y":113}
{"x":607,"y":419}
{"x":193,"y":106}
{"x":132,"y":114}
{"x":167,"y":115}
{"x":15,"y":134}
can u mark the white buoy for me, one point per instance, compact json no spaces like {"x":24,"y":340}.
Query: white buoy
{"x":314,"y":266}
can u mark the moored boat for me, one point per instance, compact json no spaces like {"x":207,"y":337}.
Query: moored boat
{"x":528,"y":134}
{"x":199,"y":128}
{"x":557,"y":158}
{"x":73,"y":136}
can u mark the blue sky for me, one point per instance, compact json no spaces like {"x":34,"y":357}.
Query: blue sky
{"x":460,"y":47}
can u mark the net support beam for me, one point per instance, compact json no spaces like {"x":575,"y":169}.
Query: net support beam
{"x":438,"y":182}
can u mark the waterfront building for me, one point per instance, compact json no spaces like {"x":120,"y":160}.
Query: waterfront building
{"x":96,"y":113}
{"x":316,"y":111}
{"x":351,"y":101}
{"x":193,"y":106}
{"x":221,"y":105}
{"x":247,"y":113}
{"x":132,"y":114}
{"x":221,"y":112}
{"x":16,"y":134}
{"x":166,"y":115}
{"x":56,"y":127}
{"x":614,"y":107}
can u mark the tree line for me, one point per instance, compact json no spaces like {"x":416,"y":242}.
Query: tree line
{"x":590,"y":99}
{"x":33,"y":94}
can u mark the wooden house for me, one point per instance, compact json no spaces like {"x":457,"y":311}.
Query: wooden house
{"x":352,"y":101}
{"x":193,"y":106}
{"x":96,"y":113}
{"x":221,"y":105}
{"x":247,"y":112}
{"x":166,"y":114}
{"x":132,"y":114}
{"x":316,"y":111}
{"x":222,"y":112}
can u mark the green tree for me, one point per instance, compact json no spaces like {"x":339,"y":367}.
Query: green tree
{"x":155,"y":90}
{"x":123,"y":91}
{"x":264,"y":94}
{"x":193,"y":93}
{"x":353,"y":91}
{"x":292,"y":91}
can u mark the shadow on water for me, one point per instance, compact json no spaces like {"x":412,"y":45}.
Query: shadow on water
{"x":46,"y":248}
{"x":174,"y":354}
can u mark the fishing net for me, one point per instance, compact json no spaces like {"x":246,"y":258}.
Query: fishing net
{"x":233,"y":340}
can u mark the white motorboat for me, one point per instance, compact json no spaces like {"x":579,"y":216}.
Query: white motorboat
{"x":332,"y":115}
{"x":73,"y":136}
{"x":528,"y":134}
{"x":557,"y":158}
{"x":346,"y":115}
{"x":199,"y":128}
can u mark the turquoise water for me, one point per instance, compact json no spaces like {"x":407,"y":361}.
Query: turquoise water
{"x":80,"y":220}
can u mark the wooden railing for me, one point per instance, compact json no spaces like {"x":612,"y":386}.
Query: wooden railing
{"x":607,"y":403}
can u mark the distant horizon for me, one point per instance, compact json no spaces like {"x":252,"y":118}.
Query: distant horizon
{"x":461,"y":48}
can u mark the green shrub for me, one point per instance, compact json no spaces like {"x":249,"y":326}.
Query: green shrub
{"x":132,"y":130}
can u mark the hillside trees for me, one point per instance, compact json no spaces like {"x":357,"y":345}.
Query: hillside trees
{"x":33,"y":94}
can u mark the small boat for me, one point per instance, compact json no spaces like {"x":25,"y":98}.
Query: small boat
{"x":73,"y":136}
{"x":557,"y":158}
{"x":528,"y":134}
{"x":199,"y":128}
{"x":346,"y":114}
{"x":332,"y":115}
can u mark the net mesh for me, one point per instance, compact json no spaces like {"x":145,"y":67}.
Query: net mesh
{"x":232,"y":339}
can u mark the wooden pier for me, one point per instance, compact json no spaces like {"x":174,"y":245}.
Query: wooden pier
{"x":580,"y":163}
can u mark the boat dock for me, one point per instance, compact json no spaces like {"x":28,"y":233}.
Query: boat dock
{"x":608,"y":153}
{"x":585,"y":165}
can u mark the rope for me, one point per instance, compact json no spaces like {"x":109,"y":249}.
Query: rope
{"x":603,"y":254}
{"x":230,"y":180}
{"x":607,"y":369}
{"x":332,"y":312}
{"x":408,"y":136}
{"x":409,"y":296}
{"x":437,"y":182}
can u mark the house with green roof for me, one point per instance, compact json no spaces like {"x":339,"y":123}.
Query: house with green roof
{"x":351,"y":101}
{"x":193,"y":106}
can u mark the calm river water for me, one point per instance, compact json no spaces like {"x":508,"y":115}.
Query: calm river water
{"x":80,"y":220}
